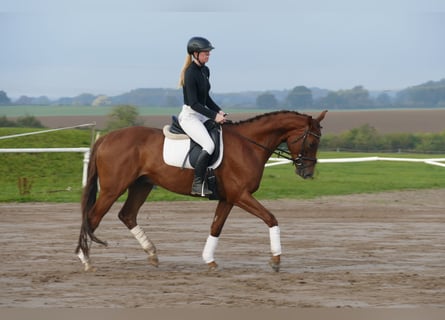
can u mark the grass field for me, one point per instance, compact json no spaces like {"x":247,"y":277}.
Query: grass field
{"x":350,"y":178}
{"x":57,"y":177}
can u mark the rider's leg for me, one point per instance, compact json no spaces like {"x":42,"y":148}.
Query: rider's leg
{"x":199,"y":186}
{"x":193,"y":125}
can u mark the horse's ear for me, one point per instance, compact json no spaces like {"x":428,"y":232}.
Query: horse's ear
{"x":322,"y":115}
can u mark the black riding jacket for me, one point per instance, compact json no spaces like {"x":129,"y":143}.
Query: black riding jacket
{"x":196,"y":91}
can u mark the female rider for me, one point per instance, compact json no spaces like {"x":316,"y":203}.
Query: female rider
{"x":198,"y":107}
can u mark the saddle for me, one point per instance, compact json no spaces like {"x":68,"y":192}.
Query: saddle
{"x":175,"y":132}
{"x":181,"y":151}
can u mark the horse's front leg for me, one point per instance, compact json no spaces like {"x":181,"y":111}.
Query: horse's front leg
{"x":251,"y":205}
{"x":221,"y":213}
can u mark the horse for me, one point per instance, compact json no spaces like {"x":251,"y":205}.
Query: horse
{"x":131,"y":159}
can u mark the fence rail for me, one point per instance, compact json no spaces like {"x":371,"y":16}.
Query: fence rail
{"x":432,"y":161}
{"x":85,"y":151}
{"x":272,"y":161}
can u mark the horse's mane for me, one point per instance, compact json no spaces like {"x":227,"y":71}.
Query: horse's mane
{"x":258,"y":117}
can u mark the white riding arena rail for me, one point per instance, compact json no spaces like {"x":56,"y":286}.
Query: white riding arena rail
{"x":270,"y":163}
{"x":432,"y":161}
{"x":85,"y":151}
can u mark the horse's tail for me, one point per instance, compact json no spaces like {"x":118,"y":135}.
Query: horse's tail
{"x":88,"y":200}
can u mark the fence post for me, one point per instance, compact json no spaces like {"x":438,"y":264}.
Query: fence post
{"x":86,"y":160}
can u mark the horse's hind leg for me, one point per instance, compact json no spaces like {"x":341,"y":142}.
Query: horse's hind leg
{"x":94,"y":217}
{"x":137,"y":194}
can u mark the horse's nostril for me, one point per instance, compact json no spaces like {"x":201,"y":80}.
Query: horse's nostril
{"x":308,"y":176}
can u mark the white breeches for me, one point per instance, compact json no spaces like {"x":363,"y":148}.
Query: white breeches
{"x":193,"y":124}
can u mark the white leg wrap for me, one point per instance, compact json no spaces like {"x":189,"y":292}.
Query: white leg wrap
{"x":82,"y":257}
{"x":85,"y":261}
{"x":209,"y":249}
{"x":146,"y":244}
{"x":275,"y":242}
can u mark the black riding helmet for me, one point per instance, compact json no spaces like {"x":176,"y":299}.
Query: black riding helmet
{"x":198,"y":44}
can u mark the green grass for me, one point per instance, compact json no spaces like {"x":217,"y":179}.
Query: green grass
{"x":57,"y":177}
{"x":350,"y":178}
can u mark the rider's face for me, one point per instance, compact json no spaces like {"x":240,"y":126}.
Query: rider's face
{"x":202,"y":57}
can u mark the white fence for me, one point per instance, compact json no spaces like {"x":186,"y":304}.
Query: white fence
{"x":433,"y":161}
{"x":85,"y":151}
{"x":272,"y":161}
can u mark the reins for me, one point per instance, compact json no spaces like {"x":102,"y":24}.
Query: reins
{"x":298,"y":161}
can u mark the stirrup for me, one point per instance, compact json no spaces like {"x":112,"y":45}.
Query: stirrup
{"x":204,"y":191}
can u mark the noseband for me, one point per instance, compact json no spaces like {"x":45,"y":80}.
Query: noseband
{"x":299,"y":160}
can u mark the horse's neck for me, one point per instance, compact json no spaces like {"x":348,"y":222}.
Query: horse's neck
{"x":266,"y":131}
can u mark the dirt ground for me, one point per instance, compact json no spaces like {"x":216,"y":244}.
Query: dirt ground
{"x":384,"y":121}
{"x":373,"y":250}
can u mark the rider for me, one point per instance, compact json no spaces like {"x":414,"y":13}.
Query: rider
{"x":198,"y":107}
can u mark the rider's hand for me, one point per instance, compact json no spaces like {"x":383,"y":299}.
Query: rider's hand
{"x":220,"y":118}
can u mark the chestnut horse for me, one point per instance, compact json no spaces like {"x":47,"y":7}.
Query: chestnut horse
{"x":132,"y":159}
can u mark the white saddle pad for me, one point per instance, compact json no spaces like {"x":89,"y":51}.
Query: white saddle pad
{"x":176,"y":147}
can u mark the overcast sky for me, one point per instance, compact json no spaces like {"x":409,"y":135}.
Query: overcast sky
{"x":67,"y":47}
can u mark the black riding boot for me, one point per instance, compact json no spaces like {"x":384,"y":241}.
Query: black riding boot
{"x":199,"y":186}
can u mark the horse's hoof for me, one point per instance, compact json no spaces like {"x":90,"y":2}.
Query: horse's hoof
{"x":153,"y":260}
{"x":89,"y":268}
{"x":213,"y":266}
{"x":275,"y":263}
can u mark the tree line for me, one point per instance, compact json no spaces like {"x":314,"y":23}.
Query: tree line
{"x":427,"y":95}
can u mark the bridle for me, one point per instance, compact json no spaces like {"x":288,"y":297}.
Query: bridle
{"x":299,"y":160}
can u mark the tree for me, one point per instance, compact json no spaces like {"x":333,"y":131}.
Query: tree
{"x":299,"y":97}
{"x":429,"y":94}
{"x":24,"y":100}
{"x":383,"y":100}
{"x":29,"y":122}
{"x":267,"y":100}
{"x":5,"y":122}
{"x":4,"y":98}
{"x":171,"y":100}
{"x":357,"y":97}
{"x":363,"y":138}
{"x":123,"y":116}
{"x":101,"y":100}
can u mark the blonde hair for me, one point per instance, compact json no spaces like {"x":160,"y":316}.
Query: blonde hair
{"x":187,"y":63}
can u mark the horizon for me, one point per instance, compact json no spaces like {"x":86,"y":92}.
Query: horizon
{"x":63,"y":49}
{"x":214,"y":93}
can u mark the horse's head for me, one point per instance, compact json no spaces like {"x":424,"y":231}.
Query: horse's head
{"x":303,"y":146}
